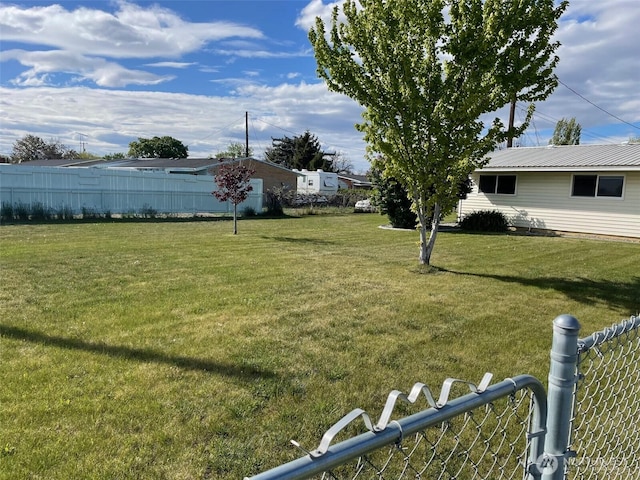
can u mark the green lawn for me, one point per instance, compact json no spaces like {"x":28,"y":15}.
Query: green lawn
{"x":176,"y":350}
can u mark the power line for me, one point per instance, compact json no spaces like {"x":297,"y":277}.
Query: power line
{"x":598,"y":107}
{"x":220,"y":129}
{"x":584,"y":133}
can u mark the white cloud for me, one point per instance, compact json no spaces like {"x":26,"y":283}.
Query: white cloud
{"x":98,"y":70}
{"x":170,"y":64}
{"x":111,"y":119}
{"x":317,"y":8}
{"x":130,"y":32}
{"x":80,"y":41}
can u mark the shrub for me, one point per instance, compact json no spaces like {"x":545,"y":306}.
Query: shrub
{"x":273,"y":202}
{"x":6,"y":212}
{"x":40,"y":212}
{"x":249,"y":212}
{"x":21,"y":211}
{"x":485,"y":221}
{"x":64,"y":213}
{"x":147,"y":211}
{"x":89,"y":213}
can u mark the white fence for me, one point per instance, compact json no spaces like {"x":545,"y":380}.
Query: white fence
{"x":116,"y":191}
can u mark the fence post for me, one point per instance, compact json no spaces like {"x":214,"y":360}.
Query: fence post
{"x":562,"y":378}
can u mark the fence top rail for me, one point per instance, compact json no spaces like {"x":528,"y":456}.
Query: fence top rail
{"x":328,"y":456}
{"x":608,"y":333}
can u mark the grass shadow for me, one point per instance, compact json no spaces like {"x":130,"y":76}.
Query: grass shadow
{"x":312,"y":241}
{"x":138,"y":354}
{"x":620,"y":295}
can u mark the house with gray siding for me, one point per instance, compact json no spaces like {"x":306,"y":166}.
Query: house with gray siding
{"x":593,"y":189}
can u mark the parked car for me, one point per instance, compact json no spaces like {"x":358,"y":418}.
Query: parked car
{"x":364,"y":206}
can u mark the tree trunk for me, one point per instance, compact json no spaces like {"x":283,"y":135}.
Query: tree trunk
{"x":426,"y":246}
{"x":235,"y":219}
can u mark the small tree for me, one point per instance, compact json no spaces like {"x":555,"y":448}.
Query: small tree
{"x":567,"y":132}
{"x":235,"y":150}
{"x":233,"y":181}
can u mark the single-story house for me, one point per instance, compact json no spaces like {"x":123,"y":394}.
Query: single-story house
{"x":273,"y":176}
{"x":593,"y":189}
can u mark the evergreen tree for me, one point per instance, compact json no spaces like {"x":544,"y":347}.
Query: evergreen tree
{"x":301,"y":152}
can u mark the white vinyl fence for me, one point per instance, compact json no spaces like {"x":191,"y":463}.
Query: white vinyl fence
{"x":115,"y":191}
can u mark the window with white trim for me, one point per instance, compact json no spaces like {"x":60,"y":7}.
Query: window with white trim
{"x":597,"y":186}
{"x":497,"y":184}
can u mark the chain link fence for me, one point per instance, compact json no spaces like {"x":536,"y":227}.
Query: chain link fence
{"x":605,"y":438}
{"x":586,"y":426}
{"x":494,"y":432}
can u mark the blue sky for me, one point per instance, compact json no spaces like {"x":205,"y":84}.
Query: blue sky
{"x":98,"y":75}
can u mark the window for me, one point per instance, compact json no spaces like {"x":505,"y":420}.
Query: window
{"x":500,"y":184}
{"x":311,"y":183}
{"x":597,"y":186}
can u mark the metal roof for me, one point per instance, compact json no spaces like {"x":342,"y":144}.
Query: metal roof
{"x":567,"y":158}
{"x":183,"y":165}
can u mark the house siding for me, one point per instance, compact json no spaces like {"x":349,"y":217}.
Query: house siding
{"x":543,"y":201}
{"x":272,"y":177}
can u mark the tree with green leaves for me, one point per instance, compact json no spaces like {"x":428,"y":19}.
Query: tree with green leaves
{"x":158,"y":147}
{"x":425,"y":71}
{"x":301,"y":152}
{"x":567,"y":132}
{"x":235,"y":150}
{"x":32,"y":147}
{"x":115,"y":156}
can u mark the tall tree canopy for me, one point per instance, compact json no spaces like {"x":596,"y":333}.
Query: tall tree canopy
{"x":158,"y":147}
{"x":567,"y":132}
{"x":425,"y":71}
{"x":301,"y":152}
{"x":32,"y":147}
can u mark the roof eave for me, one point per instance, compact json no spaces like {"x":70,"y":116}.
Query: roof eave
{"x":601,"y":168}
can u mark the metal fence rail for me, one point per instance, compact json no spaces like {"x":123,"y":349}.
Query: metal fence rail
{"x":494,"y":432}
{"x":606,"y":421}
{"x":586,"y":426}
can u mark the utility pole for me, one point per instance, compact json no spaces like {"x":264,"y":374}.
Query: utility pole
{"x":512,"y":114}
{"x":246,"y":134}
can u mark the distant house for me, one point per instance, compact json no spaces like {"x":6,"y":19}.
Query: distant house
{"x":350,"y":182}
{"x":273,"y":176}
{"x":592,"y":189}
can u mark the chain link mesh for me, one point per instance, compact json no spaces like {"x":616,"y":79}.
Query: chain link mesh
{"x":490,"y":442}
{"x":606,"y":420}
